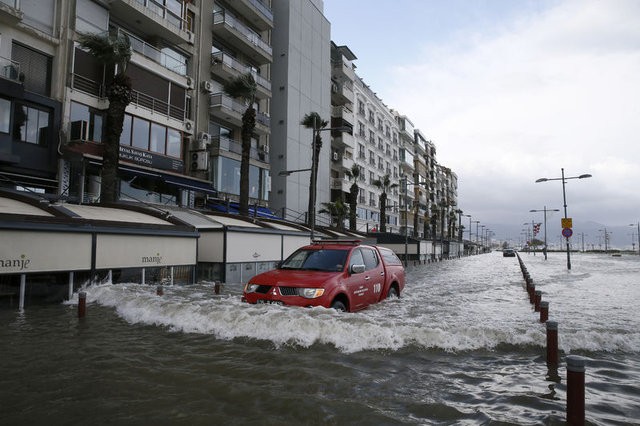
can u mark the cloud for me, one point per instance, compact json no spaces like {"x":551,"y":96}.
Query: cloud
{"x":553,"y":89}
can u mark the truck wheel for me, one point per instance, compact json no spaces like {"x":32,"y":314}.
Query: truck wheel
{"x":393,"y":292}
{"x":338,"y":306}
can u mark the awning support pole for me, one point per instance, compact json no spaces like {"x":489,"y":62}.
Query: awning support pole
{"x":70,"y":285}
{"x":23,"y":285}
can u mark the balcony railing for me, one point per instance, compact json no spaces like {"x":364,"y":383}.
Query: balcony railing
{"x":157,"y":105}
{"x":222,"y":58}
{"x":221,"y":17}
{"x":9,"y":68}
{"x":164,"y":13}
{"x":175,"y":63}
{"x":222,"y":143}
{"x":11,"y":3}
{"x":262,"y":8}
{"x":224,"y":101}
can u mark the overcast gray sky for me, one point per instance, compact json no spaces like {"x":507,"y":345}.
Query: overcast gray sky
{"x":510,"y":91}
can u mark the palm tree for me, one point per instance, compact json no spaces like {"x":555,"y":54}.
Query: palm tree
{"x":114,"y":53}
{"x":337,"y":210}
{"x":244,"y":87}
{"x":385,"y":185}
{"x":315,"y":122}
{"x":353,"y":174}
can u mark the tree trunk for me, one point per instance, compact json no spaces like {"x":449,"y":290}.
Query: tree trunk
{"x":313,"y":181}
{"x":383,"y":212}
{"x":353,"y":206}
{"x":248,"y":125}
{"x":119,"y":98}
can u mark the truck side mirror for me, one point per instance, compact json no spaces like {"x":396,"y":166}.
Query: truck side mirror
{"x":357,"y":269}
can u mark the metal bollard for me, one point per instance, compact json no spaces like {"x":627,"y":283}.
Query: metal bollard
{"x":575,"y":390}
{"x":544,"y":311}
{"x":216,"y":288}
{"x":82,"y":304}
{"x":532,"y":292}
{"x":552,"y":343}
{"x":159,"y":290}
{"x":537,"y":299}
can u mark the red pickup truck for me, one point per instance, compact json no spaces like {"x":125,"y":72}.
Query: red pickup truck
{"x":339,"y":274}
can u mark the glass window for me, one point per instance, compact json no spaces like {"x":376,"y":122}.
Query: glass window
{"x":31,"y":124}
{"x":356,"y":258}
{"x":371,"y":260}
{"x":174,"y":144}
{"x":5,"y":115}
{"x":125,"y":136}
{"x":140,"y":133}
{"x":158,"y":138}
{"x":229,"y":176}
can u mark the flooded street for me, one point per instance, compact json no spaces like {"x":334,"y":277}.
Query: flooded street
{"x":462,"y":346}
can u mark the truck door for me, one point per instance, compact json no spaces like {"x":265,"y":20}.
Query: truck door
{"x":374,"y":274}
{"x":357,"y":283}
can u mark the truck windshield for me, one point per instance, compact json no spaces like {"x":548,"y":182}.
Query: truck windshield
{"x":316,"y":260}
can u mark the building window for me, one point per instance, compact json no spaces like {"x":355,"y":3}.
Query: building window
{"x":5,"y":115}
{"x":153,"y":137}
{"x":35,"y":67}
{"x":93,"y":117}
{"x":31,"y":124}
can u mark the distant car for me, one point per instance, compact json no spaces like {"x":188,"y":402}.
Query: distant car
{"x":339,"y":274}
{"x":508,"y":253}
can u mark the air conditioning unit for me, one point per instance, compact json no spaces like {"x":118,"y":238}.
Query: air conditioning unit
{"x":79,"y":131}
{"x":191,"y":37}
{"x":189,"y":125}
{"x":265,"y":148}
{"x":199,"y":160}
{"x":206,"y":86}
{"x":190,"y":83}
{"x":335,"y":155}
{"x":204,"y":137}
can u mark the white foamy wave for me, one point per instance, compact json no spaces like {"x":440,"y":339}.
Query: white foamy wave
{"x":382,"y":327}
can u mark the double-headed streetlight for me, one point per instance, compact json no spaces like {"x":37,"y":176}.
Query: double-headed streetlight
{"x":545,"y":210}
{"x":564,"y":199}
{"x":476,"y":222}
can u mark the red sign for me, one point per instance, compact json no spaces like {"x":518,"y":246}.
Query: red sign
{"x":567,"y":232}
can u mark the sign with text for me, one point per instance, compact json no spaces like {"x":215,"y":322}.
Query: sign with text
{"x":150,"y":159}
{"x":566,"y":222}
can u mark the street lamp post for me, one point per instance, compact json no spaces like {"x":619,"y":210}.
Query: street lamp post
{"x":638,"y":234}
{"x":564,"y":199}
{"x":545,"y":226}
{"x":476,"y":222}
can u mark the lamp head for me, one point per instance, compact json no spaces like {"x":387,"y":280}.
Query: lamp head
{"x":584,"y":176}
{"x":541,"y":180}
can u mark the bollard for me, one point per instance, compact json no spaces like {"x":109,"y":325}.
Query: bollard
{"x":532,"y":292}
{"x":552,"y":343}
{"x":537,"y":299}
{"x":544,"y":311}
{"x":159,"y":290}
{"x":575,"y":390}
{"x":216,"y":288}
{"x":82,"y":304}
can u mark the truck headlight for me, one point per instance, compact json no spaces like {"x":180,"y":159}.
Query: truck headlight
{"x":250,"y":288}
{"x":311,"y":293}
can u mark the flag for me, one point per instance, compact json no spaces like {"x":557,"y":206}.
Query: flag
{"x":536,"y":229}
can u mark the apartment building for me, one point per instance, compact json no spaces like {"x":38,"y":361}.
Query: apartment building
{"x":180,"y":142}
{"x":301,"y":77}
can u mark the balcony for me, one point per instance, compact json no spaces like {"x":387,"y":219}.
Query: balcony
{"x":172,"y":62}
{"x":10,"y":11}
{"x":343,"y":69}
{"x":156,"y":105}
{"x":227,"y":67}
{"x":221,"y":145}
{"x":151,"y":17}
{"x":340,"y":184}
{"x":257,"y":12}
{"x":241,"y":37}
{"x":226,"y":108}
{"x":341,"y":93}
